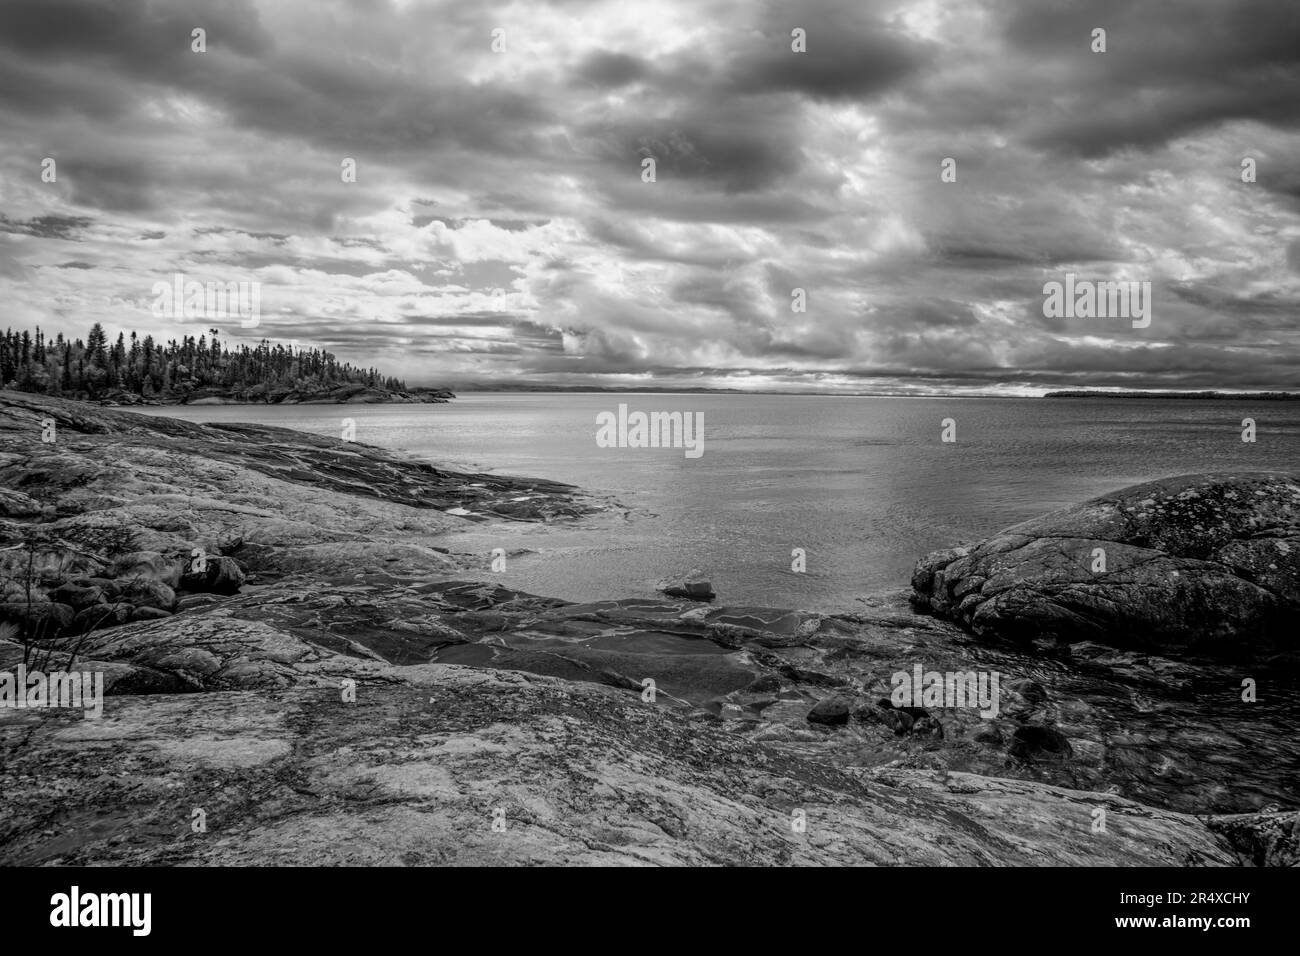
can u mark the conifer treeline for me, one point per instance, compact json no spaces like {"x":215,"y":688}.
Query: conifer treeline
{"x":96,"y":369}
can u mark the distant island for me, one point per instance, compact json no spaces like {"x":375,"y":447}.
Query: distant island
{"x":1234,"y":396}
{"x":191,"y":372}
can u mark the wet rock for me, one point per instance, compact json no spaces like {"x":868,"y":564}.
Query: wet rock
{"x":832,"y":711}
{"x":1022,"y":698}
{"x":614,"y":679}
{"x":802,"y":675}
{"x":1036,"y":740}
{"x":1202,"y":563}
{"x":1031,"y":691}
{"x":692,"y":585}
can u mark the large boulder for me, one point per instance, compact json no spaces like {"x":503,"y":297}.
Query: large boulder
{"x":1207,"y":563}
{"x":101,"y":616}
{"x":15,"y":504}
{"x":37,"y":618}
{"x":144,"y":593}
{"x":78,"y":597}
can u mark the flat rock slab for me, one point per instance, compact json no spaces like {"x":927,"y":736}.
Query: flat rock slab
{"x":418,"y":773}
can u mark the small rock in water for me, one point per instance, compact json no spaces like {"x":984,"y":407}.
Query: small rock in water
{"x":692,"y":585}
{"x":832,"y":711}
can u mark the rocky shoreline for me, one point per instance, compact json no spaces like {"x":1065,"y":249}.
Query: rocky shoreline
{"x":331,"y":684}
{"x":353,"y":394}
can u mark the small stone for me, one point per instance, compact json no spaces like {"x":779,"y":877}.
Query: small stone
{"x":831,"y":711}
{"x":221,"y":575}
{"x":692,"y":585}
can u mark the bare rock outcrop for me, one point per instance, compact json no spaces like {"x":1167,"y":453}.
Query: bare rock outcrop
{"x":1201,"y":563}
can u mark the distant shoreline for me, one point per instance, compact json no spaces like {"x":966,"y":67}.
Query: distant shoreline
{"x":1204,"y":396}
{"x":431,"y":395}
{"x":463,"y":389}
{"x":343,"y":395}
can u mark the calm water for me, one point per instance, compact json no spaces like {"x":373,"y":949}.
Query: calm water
{"x":864,"y":485}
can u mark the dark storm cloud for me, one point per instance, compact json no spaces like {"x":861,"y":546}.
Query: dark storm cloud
{"x":1169,"y":68}
{"x":737,"y":156}
{"x":612,"y":70}
{"x":140,"y":34}
{"x":276,"y":237}
{"x":850,"y":53}
{"x":47,"y":227}
{"x":123,"y":185}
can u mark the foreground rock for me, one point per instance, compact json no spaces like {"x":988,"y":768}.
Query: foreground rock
{"x":416,"y":772}
{"x":1201,"y":563}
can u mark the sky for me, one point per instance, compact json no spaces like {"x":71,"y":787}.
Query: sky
{"x":501,"y":229}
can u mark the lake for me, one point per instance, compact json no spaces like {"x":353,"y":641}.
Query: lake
{"x":864,"y":485}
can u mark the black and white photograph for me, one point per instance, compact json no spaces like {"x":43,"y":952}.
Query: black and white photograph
{"x":650,"y":433}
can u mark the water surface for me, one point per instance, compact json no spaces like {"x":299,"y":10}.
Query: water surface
{"x":863,"y":485}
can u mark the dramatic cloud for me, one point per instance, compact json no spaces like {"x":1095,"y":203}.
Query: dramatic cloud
{"x":499,"y":229}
